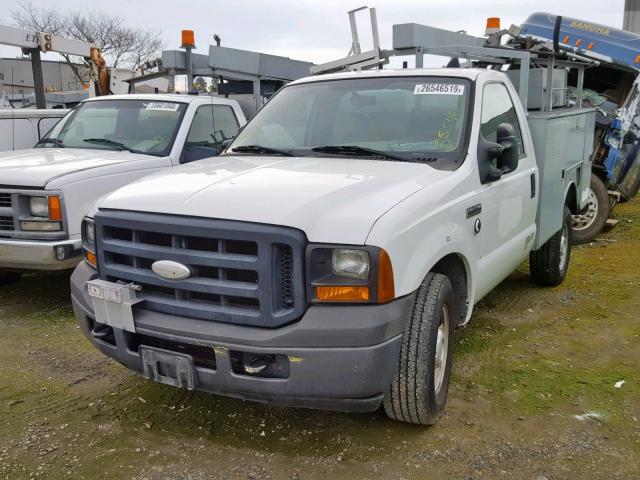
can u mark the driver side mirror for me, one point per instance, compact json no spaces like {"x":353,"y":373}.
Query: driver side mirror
{"x":499,"y":158}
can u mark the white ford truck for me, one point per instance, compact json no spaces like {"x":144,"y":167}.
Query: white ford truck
{"x":101,"y":145}
{"x":327,"y":257}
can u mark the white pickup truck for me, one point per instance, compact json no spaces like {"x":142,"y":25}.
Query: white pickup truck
{"x":327,"y":257}
{"x":101,"y":145}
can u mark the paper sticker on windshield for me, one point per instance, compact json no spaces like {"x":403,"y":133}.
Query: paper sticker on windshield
{"x":163,"y":106}
{"x":439,"y":89}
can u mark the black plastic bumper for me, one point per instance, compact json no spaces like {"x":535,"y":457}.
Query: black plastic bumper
{"x":339,"y":357}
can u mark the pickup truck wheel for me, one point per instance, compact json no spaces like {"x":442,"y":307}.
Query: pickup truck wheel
{"x":590,"y":223}
{"x":549,"y":264}
{"x":7,"y":277}
{"x":418,"y":392}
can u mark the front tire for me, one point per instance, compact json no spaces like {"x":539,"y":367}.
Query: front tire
{"x":549,"y":264}
{"x":418,"y":392}
{"x":591,"y":222}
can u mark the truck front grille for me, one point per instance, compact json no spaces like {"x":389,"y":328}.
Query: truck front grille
{"x":6,"y":224}
{"x":243,"y":273}
{"x":6,"y":213}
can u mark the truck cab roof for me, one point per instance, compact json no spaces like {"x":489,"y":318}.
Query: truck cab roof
{"x":166,"y":97}
{"x":470,"y":73}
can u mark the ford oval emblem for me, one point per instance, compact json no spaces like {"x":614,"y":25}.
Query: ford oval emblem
{"x":170,"y":270}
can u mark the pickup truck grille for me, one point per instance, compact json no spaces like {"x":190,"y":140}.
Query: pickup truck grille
{"x":6,"y":224}
{"x":5,"y":200}
{"x":243,"y":273}
{"x":6,"y":213}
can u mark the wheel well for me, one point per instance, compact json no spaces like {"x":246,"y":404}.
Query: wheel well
{"x":571,"y":199}
{"x":453,"y":266}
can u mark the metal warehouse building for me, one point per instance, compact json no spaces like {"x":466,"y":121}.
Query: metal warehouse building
{"x":16,"y":76}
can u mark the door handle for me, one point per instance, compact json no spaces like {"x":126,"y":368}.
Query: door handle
{"x":474,"y":210}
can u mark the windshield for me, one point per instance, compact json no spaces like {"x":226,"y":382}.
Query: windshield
{"x":404,"y":117}
{"x":141,"y":126}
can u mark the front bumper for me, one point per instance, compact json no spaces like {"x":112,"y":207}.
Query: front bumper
{"x":38,"y":254}
{"x":340,"y":357}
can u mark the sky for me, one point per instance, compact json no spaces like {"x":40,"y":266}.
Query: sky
{"x":316,"y":30}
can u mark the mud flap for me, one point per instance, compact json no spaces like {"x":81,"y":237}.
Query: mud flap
{"x":170,"y":368}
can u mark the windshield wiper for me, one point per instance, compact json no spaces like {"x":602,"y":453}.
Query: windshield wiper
{"x":55,"y":141}
{"x":106,"y":141}
{"x":260,"y":149}
{"x":360,"y":151}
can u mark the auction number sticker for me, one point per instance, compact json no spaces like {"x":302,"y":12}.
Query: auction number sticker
{"x":163,"y":106}
{"x":439,"y":89}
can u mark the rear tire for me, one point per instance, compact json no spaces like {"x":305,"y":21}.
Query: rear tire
{"x":590,"y":223}
{"x":549,"y":264}
{"x":418,"y":392}
{"x":7,"y":277}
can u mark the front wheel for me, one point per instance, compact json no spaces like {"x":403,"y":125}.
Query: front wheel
{"x":550,"y":263}
{"x":591,"y":221}
{"x":418,"y":392}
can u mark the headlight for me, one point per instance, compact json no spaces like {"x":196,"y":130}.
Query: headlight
{"x":351,"y":263}
{"x":89,"y":241}
{"x":349,"y":274}
{"x":39,"y":206}
{"x":41,"y":213}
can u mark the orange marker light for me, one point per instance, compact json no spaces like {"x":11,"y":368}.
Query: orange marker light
{"x":91,"y":259}
{"x":342,"y":294}
{"x":55,"y":209}
{"x":590,"y":46}
{"x":188,"y":38}
{"x":566,"y":39}
{"x":578,"y":42}
{"x":637,"y":60}
{"x":386,"y":288}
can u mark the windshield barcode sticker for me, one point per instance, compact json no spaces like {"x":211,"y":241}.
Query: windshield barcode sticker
{"x":439,"y":89}
{"x":163,"y":106}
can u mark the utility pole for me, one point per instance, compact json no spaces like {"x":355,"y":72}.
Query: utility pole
{"x":631,"y":20}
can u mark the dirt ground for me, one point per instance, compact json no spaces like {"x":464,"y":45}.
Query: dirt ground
{"x":532,"y":395}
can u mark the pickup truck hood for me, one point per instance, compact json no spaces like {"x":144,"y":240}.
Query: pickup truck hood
{"x":330,"y":199}
{"x":36,"y":167}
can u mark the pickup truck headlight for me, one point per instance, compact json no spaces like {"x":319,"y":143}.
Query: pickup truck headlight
{"x":89,"y":241}
{"x":349,"y":274}
{"x":39,"y":206}
{"x":44,"y":214}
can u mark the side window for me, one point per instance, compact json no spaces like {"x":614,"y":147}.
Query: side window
{"x":498,"y":108}
{"x":226,"y":123}
{"x":212,"y":125}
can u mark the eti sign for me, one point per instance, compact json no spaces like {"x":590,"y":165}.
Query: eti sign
{"x":19,"y":37}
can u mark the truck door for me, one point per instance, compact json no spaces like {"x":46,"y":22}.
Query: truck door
{"x":508,"y":204}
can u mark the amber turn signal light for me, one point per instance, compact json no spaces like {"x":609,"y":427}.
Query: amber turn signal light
{"x":55,"y":209}
{"x":91,"y":259}
{"x":341,"y":293}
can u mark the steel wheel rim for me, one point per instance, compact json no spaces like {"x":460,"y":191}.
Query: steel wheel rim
{"x":586,"y":219}
{"x":442,"y":350}
{"x":564,"y":246}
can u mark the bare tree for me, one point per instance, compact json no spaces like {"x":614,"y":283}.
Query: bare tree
{"x":121,"y":45}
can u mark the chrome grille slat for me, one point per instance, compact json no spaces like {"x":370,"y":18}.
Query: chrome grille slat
{"x":243,"y":273}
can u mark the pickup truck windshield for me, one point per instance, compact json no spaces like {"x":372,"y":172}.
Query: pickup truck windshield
{"x":140,"y":126}
{"x":399,"y":118}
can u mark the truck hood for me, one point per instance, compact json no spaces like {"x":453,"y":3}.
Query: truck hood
{"x":36,"y":167}
{"x":333,"y":200}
